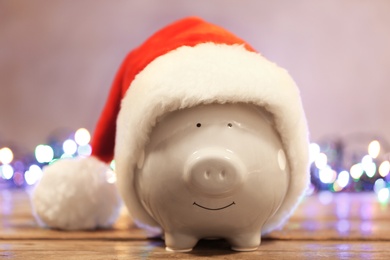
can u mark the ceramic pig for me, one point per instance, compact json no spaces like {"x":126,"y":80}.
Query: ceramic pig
{"x":213,"y":171}
{"x":209,"y":140}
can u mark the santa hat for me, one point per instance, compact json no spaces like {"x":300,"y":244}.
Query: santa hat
{"x":187,"y":63}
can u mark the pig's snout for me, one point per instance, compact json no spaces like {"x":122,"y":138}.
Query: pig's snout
{"x":214,"y":172}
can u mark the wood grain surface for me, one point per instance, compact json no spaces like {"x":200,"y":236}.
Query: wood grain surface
{"x":325,"y":226}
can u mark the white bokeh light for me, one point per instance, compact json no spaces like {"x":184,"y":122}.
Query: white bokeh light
{"x":366,"y":160}
{"x":343,"y":179}
{"x":327,"y":175}
{"x":112,"y":165}
{"x":370,"y":169}
{"x":69,"y":147}
{"x":383,"y":195}
{"x":314,"y":151}
{"x":7,"y":171}
{"x":110,"y":176}
{"x":379,"y":184}
{"x":356,"y":171}
{"x":33,"y":175}
{"x":6,"y":155}
{"x":84,"y":150}
{"x":44,"y":153}
{"x":321,"y":161}
{"x":82,"y":136}
{"x":374,"y":149}
{"x":384,"y":168}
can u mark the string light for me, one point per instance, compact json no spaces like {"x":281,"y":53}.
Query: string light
{"x":336,"y":155}
{"x":7,"y":171}
{"x":110,"y":176}
{"x":327,"y":175}
{"x":82,"y":137}
{"x":69,"y":147}
{"x":18,"y":178}
{"x":374,"y":149}
{"x":379,"y":184}
{"x":384,"y":168}
{"x":21,"y":174}
{"x":44,"y":153}
{"x":321,"y":161}
{"x":383,"y":195}
{"x":336,"y":187}
{"x":112,"y":165}
{"x":84,"y":150}
{"x":314,"y":151}
{"x":33,"y":175}
{"x":369,"y":168}
{"x":343,"y":179}
{"x":6,"y":155}
{"x":356,"y":171}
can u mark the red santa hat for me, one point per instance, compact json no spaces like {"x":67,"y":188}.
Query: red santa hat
{"x":187,"y":63}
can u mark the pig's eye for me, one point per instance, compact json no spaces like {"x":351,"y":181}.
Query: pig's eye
{"x":229,"y":125}
{"x":198,"y":125}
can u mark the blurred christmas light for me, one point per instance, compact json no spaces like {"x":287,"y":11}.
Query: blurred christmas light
{"x":327,"y":175}
{"x":7,"y":171}
{"x":65,"y":155}
{"x":343,"y":179}
{"x":370,"y":169}
{"x":356,"y":171}
{"x":325,"y":170}
{"x":6,"y":155}
{"x":379,"y":184}
{"x":336,"y":187}
{"x":69,"y":147}
{"x":384,"y":168}
{"x":314,"y":151}
{"x":112,"y":165}
{"x":368,"y":166}
{"x":321,"y":161}
{"x":18,"y":178}
{"x":110,"y":176}
{"x":374,"y":149}
{"x":82,"y":136}
{"x":366,"y":160}
{"x":33,"y":175}
{"x":44,"y":153}
{"x":84,"y":150}
{"x":383,"y":195}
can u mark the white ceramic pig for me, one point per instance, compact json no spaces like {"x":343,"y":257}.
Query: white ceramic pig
{"x":213,"y":171}
{"x":209,"y":140}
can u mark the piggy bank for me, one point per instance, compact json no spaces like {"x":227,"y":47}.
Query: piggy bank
{"x":212,"y":171}
{"x":209,"y":140}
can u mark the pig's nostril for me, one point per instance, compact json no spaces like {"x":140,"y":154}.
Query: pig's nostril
{"x":206,"y":175}
{"x":222,"y":175}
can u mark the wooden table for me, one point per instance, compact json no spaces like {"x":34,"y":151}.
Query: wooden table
{"x":325,"y":226}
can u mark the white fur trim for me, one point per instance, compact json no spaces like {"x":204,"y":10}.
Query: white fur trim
{"x":211,"y":73}
{"x":74,"y":194}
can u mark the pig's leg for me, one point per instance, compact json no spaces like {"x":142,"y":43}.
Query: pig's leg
{"x":245,"y":242}
{"x":178,"y":242}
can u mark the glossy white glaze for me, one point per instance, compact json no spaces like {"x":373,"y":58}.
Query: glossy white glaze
{"x":214,"y":170}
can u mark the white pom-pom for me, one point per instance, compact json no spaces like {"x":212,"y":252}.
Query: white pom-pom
{"x":76,"y":194}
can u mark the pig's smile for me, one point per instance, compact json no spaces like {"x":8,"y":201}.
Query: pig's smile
{"x":200,"y":206}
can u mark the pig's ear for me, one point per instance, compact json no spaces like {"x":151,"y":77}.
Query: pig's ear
{"x":76,"y":194}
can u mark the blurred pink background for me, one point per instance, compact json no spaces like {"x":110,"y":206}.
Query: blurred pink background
{"x":58,"y":58}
